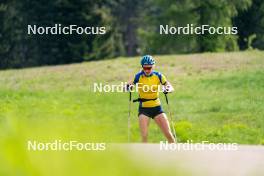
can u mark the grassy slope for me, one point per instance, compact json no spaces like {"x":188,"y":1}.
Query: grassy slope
{"x":218,"y":98}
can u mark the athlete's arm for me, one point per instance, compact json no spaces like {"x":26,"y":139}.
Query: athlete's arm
{"x":133,"y":81}
{"x":167,"y":87}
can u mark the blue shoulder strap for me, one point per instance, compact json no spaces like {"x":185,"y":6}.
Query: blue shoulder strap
{"x":159,"y":76}
{"x":137,"y":76}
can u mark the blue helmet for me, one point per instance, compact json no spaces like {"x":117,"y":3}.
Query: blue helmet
{"x":147,"y":60}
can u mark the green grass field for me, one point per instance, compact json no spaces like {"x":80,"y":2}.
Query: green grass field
{"x":218,"y":98}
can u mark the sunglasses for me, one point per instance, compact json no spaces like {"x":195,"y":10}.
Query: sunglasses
{"x":147,"y":68}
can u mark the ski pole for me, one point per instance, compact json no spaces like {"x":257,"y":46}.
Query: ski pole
{"x":128,"y":121}
{"x":170,"y":116}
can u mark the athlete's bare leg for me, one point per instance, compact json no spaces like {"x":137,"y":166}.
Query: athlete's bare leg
{"x":164,"y":125}
{"x":143,"y":125}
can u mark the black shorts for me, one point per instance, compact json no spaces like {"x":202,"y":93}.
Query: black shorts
{"x":150,"y":112}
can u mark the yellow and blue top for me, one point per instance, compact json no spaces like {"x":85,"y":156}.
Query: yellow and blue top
{"x":148,"y":87}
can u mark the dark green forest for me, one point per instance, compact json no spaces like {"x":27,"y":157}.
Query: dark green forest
{"x":131,"y":29}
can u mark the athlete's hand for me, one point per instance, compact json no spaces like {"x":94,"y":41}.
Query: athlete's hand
{"x":129,"y":87}
{"x":167,"y":89}
{"x":165,"y":92}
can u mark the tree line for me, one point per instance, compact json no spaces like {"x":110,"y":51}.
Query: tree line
{"x":132,"y":29}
